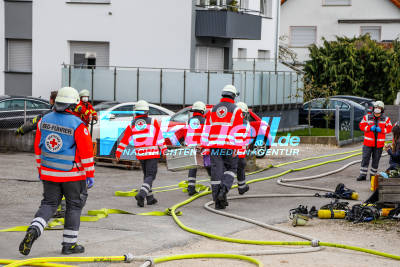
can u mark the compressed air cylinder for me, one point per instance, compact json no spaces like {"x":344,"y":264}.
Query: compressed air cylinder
{"x":385,"y":212}
{"x":331,"y":214}
{"x":354,"y":195}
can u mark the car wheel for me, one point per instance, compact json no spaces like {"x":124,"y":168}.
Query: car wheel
{"x":345,"y":125}
{"x":260,"y":151}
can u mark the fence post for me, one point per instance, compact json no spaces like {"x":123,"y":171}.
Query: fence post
{"x":284,"y":90}
{"x":24,"y":111}
{"x":137,"y":84}
{"x":115,"y":84}
{"x":160,"y":87}
{"x":337,"y":130}
{"x":352,"y":123}
{"x":269,"y":90}
{"x":233,"y":78}
{"x":291,"y":91}
{"x":276,"y":89}
{"x":92,"y":87}
{"x":261,"y":90}
{"x":69,"y":75}
{"x":208,"y":87}
{"x":184,"y":89}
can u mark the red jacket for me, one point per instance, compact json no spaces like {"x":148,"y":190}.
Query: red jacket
{"x":83,"y":110}
{"x":243,"y":137}
{"x":84,"y":166}
{"x":195,"y":127}
{"x":223,"y":121}
{"x":371,"y":138}
{"x":146,"y":136}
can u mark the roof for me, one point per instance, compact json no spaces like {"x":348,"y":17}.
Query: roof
{"x":395,"y":2}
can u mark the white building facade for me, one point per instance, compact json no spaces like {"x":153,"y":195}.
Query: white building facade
{"x":39,"y":36}
{"x":305,"y":22}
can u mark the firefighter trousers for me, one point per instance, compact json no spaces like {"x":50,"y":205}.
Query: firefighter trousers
{"x":367,"y":153}
{"x":192,"y":175}
{"x":241,"y":176}
{"x":75,"y":196}
{"x":223,"y":170}
{"x":149,"y":168}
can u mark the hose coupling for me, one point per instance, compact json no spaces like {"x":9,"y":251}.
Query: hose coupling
{"x":148,"y":263}
{"x":315,"y":243}
{"x":128,"y":257}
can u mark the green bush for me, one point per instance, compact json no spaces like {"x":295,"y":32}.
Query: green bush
{"x":355,"y":66}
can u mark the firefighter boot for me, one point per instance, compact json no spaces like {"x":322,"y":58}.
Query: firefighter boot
{"x":362,"y":177}
{"x":219,"y":205}
{"x":243,"y":189}
{"x":191,"y":189}
{"x":31,"y":235}
{"x":151,"y":200}
{"x":140,"y":199}
{"x":221,"y":197}
{"x":72,"y":249}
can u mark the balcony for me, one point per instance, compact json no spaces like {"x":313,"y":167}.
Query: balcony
{"x":227,"y":22}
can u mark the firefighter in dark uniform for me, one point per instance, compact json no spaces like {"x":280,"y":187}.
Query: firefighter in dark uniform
{"x":375,"y":127}
{"x":64,"y":157}
{"x":222,"y":121}
{"x":148,"y":142}
{"x":244,"y":135}
{"x":195,"y":127}
{"x":32,"y":125}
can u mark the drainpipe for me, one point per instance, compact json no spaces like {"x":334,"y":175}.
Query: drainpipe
{"x":278,"y":14}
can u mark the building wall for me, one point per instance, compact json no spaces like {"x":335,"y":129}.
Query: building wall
{"x":267,"y":41}
{"x":312,"y":13}
{"x":151,"y":33}
{"x":2,"y":52}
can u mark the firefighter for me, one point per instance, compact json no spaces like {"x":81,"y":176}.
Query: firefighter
{"x":194,"y":130}
{"x":375,"y":127}
{"x":148,"y":142}
{"x":64,"y":157}
{"x":224,"y":118}
{"x":32,"y":125}
{"x":244,"y":136}
{"x":84,"y":109}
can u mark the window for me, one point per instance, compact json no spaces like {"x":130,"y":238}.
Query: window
{"x":19,"y":55}
{"x":209,"y":58}
{"x":373,"y":31}
{"x":317,"y":104}
{"x":345,"y":106}
{"x":89,"y":53}
{"x":183,"y":116}
{"x":155,"y":111}
{"x":5,"y":105}
{"x":90,"y":1}
{"x":242,"y":53}
{"x":244,"y":4}
{"x":123,"y":111}
{"x":264,"y":54}
{"x":302,"y":36}
{"x":266,"y":8}
{"x":17,"y":104}
{"x":31,"y":104}
{"x":337,"y":2}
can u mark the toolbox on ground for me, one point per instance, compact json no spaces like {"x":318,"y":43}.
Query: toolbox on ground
{"x":389,"y":190}
{"x":183,"y":158}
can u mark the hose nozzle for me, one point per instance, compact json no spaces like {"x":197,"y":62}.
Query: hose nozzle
{"x":128,"y":257}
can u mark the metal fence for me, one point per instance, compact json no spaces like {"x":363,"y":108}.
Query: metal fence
{"x":17,"y":111}
{"x":182,"y":86}
{"x":347,"y":130}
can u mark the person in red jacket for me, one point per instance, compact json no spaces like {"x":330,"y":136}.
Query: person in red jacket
{"x":84,"y":109}
{"x":64,"y":158}
{"x":148,"y":142}
{"x":223,"y":121}
{"x":375,"y":127}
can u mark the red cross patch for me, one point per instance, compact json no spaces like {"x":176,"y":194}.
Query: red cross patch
{"x":140,"y":125}
{"x":221,"y":112}
{"x":53,"y":142}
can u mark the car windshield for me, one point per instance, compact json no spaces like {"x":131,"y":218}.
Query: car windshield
{"x":104,"y":105}
{"x":181,"y":116}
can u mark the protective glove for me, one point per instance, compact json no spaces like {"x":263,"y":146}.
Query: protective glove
{"x":89,"y":182}
{"x":373,"y":128}
{"x":378,"y":129}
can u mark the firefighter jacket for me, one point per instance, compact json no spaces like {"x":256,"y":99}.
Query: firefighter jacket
{"x":371,"y":138}
{"x":194,"y":128}
{"x":222,"y":122}
{"x":146,"y":136}
{"x":83,"y":110}
{"x":243,"y":137}
{"x":63,"y":148}
{"x":29,"y":126}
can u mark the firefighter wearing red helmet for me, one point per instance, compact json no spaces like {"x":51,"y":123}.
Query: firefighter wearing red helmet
{"x":375,"y":127}
{"x":64,"y":157}
{"x":222,"y":121}
{"x":148,"y":142}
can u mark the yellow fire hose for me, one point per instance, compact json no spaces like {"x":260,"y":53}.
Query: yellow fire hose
{"x":174,"y":213}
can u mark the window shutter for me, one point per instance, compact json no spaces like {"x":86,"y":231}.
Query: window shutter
{"x":215,"y":58}
{"x":201,"y":58}
{"x":374,"y":32}
{"x":302,"y":36}
{"x":20,"y":55}
{"x":337,"y":2}
{"x":100,"y":49}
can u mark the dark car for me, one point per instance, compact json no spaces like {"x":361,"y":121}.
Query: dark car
{"x":369,"y":102}
{"x":322,"y":108}
{"x":105,"y":105}
{"x":12,"y":110}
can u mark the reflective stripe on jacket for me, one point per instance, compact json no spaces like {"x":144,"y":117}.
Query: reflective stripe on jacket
{"x":371,"y":138}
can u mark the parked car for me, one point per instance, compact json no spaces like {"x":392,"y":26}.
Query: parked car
{"x":12,"y":110}
{"x":121,"y":114}
{"x":320,"y":107}
{"x":177,"y":130}
{"x":369,"y":102}
{"x":105,"y":105}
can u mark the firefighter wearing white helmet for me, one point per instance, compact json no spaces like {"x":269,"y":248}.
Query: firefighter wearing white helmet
{"x":64,"y":157}
{"x":84,"y":109}
{"x":222,"y":120}
{"x":375,"y":127}
{"x":244,"y":137}
{"x":194,"y":128}
{"x":149,"y":144}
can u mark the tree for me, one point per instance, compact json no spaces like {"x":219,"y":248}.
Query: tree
{"x":355,"y":66}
